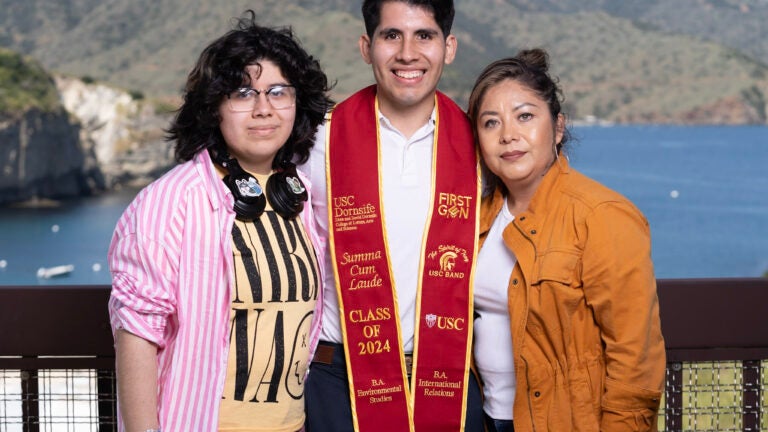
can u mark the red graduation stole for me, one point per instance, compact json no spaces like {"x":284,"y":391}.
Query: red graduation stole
{"x":382,"y":398}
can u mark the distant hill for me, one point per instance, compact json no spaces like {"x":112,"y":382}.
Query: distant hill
{"x":655,"y":61}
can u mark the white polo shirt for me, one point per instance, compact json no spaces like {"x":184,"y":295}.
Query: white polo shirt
{"x":406,"y":177}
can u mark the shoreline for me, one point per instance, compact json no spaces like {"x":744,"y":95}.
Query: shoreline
{"x":36,"y":203}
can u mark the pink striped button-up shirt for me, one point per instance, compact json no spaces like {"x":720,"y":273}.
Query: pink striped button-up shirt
{"x":172,"y":274}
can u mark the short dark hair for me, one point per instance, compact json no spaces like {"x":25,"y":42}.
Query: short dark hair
{"x":529,"y":68}
{"x":442,"y":10}
{"x":221,"y":69}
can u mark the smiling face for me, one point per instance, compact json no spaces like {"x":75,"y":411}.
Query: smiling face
{"x":407,"y":53}
{"x":254,"y":137}
{"x":517,"y":134}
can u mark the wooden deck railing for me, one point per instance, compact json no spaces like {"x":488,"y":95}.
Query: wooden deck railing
{"x":705,"y":322}
{"x":715,"y":320}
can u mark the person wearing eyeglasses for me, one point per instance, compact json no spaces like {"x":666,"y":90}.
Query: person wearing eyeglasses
{"x":215,"y":275}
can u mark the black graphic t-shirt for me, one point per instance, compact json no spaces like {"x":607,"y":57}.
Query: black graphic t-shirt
{"x":272,"y":306}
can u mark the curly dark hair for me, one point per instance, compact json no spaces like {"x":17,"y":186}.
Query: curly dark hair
{"x":221,"y":69}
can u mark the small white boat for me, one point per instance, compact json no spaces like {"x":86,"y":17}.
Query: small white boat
{"x":49,"y":272}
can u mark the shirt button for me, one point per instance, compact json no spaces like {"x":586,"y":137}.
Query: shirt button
{"x":536,"y":394}
{"x":522,"y":218}
{"x":514,"y":281}
{"x":533,"y":231}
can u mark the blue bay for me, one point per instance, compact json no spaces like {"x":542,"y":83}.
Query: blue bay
{"x":703,"y":189}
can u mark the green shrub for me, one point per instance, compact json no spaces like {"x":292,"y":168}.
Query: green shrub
{"x":24,"y":85}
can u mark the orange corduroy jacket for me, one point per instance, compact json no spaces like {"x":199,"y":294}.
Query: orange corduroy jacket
{"x":584,"y":313}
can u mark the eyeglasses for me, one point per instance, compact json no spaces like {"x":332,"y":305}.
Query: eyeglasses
{"x":245,"y":98}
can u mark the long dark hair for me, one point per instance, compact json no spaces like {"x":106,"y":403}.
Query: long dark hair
{"x":221,"y":69}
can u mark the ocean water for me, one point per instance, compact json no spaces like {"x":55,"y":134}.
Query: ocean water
{"x":76,"y":232}
{"x":703,"y":189}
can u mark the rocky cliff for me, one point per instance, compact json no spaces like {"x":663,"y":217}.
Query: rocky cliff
{"x":99,"y":138}
{"x":41,"y":157}
{"x":124,"y":134}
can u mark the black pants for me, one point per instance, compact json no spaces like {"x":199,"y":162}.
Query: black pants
{"x":493,"y":425}
{"x":326,"y":395}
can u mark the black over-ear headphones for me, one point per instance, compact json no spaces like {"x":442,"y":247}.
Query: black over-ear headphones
{"x":285,"y":191}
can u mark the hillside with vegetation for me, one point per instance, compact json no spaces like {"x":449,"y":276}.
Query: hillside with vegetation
{"x":656,"y":61}
{"x":25,"y":86}
{"x":618,"y":69}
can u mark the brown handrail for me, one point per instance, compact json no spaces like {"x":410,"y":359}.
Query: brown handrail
{"x":67,"y":327}
{"x":57,"y":321}
{"x":714,"y":319}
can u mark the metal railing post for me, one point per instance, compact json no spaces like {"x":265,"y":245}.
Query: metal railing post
{"x":750,"y":387}
{"x":105,"y":386}
{"x":673,"y":414}
{"x":30,"y":398}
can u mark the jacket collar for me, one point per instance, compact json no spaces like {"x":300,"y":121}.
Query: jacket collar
{"x":541,"y":199}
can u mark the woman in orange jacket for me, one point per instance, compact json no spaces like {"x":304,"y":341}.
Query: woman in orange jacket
{"x":577,"y":345}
